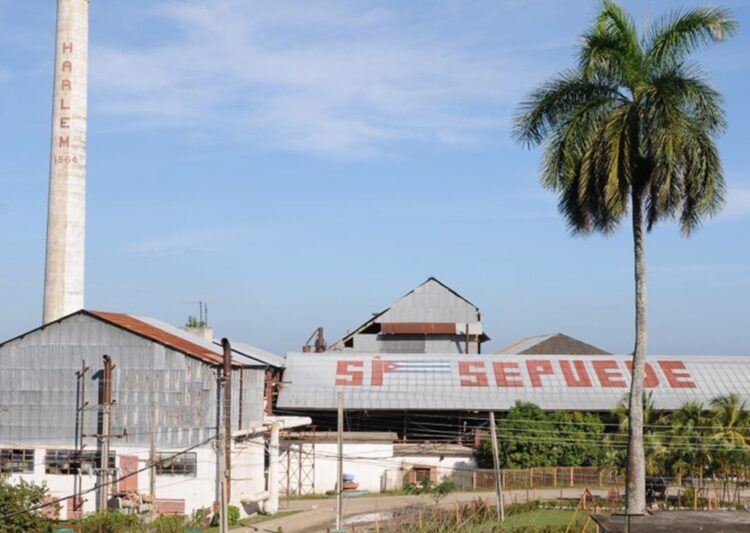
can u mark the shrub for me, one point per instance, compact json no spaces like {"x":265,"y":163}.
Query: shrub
{"x":233,"y":516}
{"x":110,"y":522}
{"x":19,"y":497}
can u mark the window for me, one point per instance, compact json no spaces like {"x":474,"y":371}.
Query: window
{"x":65,"y":462}
{"x":14,"y":461}
{"x":181,"y":465}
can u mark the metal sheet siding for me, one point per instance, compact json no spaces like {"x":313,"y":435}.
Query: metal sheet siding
{"x":430,"y":302}
{"x":38,"y":387}
{"x":434,"y":382}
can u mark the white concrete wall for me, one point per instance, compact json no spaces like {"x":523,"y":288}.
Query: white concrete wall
{"x":248,"y":472}
{"x":365,"y":461}
{"x":198,"y":491}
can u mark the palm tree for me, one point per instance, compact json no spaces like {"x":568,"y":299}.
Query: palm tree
{"x":731,"y":437}
{"x":633,"y":127}
{"x":687,"y":434}
{"x":655,"y":450}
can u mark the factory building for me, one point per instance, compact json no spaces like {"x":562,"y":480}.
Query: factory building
{"x":432,"y":318}
{"x":417,"y":398}
{"x":165,"y":388}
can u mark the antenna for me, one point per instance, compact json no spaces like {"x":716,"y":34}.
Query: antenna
{"x":202,"y":311}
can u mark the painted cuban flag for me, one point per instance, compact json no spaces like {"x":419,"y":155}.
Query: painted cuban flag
{"x":417,"y":367}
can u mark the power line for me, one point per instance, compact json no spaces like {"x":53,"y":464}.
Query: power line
{"x":109,"y":482}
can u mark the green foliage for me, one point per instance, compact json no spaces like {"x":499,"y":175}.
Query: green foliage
{"x":15,"y":497}
{"x":532,"y":437}
{"x":435,"y":490}
{"x":633,"y":123}
{"x":110,"y":522}
{"x":169,"y":524}
{"x":233,"y":516}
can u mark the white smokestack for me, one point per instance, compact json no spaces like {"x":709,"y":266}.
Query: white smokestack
{"x":66,"y":217}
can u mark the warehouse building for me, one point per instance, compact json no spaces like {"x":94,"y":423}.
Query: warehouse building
{"x":432,"y":318}
{"x":164,"y":385}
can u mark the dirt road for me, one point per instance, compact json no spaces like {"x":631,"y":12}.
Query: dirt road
{"x":320,"y":515}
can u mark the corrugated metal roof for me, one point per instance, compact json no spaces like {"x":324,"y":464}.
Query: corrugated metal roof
{"x":430,"y":302}
{"x":495,"y":382}
{"x":170,"y":336}
{"x":554,"y":343}
{"x":520,"y":345}
{"x":178,"y":339}
{"x":242,"y":350}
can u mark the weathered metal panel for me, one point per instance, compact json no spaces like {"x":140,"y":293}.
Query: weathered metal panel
{"x":430,"y":302}
{"x":496,"y":382}
{"x":39,"y":387}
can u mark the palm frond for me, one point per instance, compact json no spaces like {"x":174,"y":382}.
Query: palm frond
{"x":553,"y":103}
{"x":677,"y":34}
{"x":611,"y":47}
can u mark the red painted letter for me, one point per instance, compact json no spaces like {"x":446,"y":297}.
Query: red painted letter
{"x":677,"y":375}
{"x":579,"y":378}
{"x":64,"y":142}
{"x":537,"y":369}
{"x":346,"y":376}
{"x":380,"y":367}
{"x":472,"y":374}
{"x":67,"y":48}
{"x":67,"y":66}
{"x":507,"y":374}
{"x":66,"y":85}
{"x":650,"y":380}
{"x":65,"y":122}
{"x":609,"y":374}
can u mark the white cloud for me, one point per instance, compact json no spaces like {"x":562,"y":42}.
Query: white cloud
{"x":334,"y":79}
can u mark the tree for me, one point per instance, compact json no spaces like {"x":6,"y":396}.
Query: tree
{"x":15,"y":501}
{"x":687,"y":434}
{"x":633,"y":128}
{"x":730,"y":420}
{"x":531,"y":437}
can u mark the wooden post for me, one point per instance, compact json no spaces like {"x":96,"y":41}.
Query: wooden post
{"x":496,"y":465}
{"x":152,"y":461}
{"x":340,"y":452}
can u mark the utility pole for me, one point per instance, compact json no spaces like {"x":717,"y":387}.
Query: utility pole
{"x":498,"y":480}
{"x":105,"y":438}
{"x":340,"y":469}
{"x":152,"y":461}
{"x":225,"y":436}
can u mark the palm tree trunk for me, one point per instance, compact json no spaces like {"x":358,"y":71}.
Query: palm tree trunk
{"x":636,"y":467}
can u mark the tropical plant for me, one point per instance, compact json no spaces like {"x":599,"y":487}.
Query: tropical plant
{"x":16,"y":502}
{"x":730,"y":436}
{"x":687,"y":438}
{"x":633,"y":128}
{"x":436,"y":491}
{"x":532,"y":437}
{"x":654,"y":445}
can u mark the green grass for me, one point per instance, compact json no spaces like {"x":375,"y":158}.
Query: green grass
{"x":254,"y":520}
{"x":546,"y":518}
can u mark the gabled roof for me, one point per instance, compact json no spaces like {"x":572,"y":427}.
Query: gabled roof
{"x":552,"y":344}
{"x":171,"y":337}
{"x":245,"y":353}
{"x":432,"y":302}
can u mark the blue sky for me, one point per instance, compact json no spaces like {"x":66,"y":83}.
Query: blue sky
{"x":300,"y":164}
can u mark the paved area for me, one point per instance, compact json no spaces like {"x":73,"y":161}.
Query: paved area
{"x":320,"y":515}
